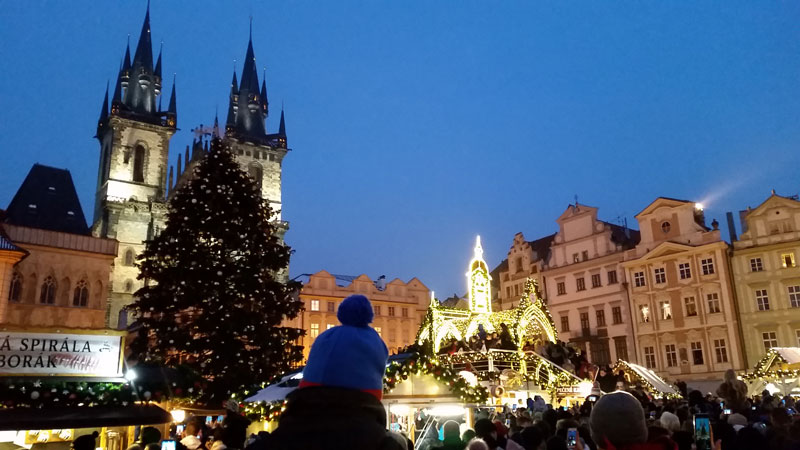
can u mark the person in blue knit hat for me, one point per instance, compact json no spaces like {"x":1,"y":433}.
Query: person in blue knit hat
{"x":337,"y":404}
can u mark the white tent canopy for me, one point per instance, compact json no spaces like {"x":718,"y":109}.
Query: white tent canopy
{"x":278,"y":391}
{"x":649,"y":376}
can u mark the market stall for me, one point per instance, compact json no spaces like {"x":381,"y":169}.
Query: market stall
{"x":777,"y":372}
{"x":649,"y":381}
{"x":59,"y":384}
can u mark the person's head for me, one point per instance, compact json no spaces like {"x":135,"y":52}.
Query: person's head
{"x":451,"y":430}
{"x":730,"y":376}
{"x":85,"y":442}
{"x":565,"y":424}
{"x":351,"y":355}
{"x":149,"y":435}
{"x":619,"y":419}
{"x":191,"y":429}
{"x":477,"y":444}
{"x":485,"y":429}
{"x":524,"y":421}
{"x":531,"y":438}
{"x":670,"y":422}
{"x":468,"y":434}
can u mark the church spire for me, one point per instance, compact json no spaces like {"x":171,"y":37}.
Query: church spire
{"x":264,"y":101}
{"x":104,"y":109}
{"x":144,"y":85}
{"x":282,"y":126}
{"x":126,"y":63}
{"x":230,"y":122}
{"x":249,"y":116}
{"x":144,"y":49}
{"x":172,"y":109}
{"x":157,"y":70}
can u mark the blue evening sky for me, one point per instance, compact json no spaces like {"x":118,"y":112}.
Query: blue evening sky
{"x":415,"y":125}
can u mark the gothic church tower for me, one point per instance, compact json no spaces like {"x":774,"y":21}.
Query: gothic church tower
{"x":134,"y":137}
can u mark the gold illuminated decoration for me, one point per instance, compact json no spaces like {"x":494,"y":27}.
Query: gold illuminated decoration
{"x":774,"y":366}
{"x":480,"y":297}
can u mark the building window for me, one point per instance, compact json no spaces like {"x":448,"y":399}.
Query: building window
{"x":331,"y":307}
{"x":575,"y":258}
{"x":15,"y":290}
{"x":404,"y":312}
{"x":48,"y":294}
{"x":129,"y":258}
{"x":685,"y":271}
{"x":601,"y":317}
{"x":519,"y":264}
{"x":516,"y":289}
{"x":713,"y":303}
{"x":612,"y":277}
{"x":787,"y":259}
{"x":508,"y":291}
{"x":128,"y":285}
{"x":621,"y":348}
{"x":644,"y":313}
{"x":561,"y":287}
{"x":377,"y":309}
{"x":762,"y":300}
{"x":650,"y":357}
{"x":596,"y":280}
{"x":329,"y":326}
{"x":585,"y":321}
{"x":584,"y":255}
{"x":666,"y":310}
{"x":138,"y":164}
{"x":378,"y":330}
{"x":770,"y":339}
{"x":690,"y":306}
{"x":391,"y":311}
{"x":720,"y":351}
{"x":616,"y":315}
{"x":665,"y":227}
{"x":564,"y":323}
{"x":797,"y":335}
{"x":697,"y":353}
{"x":600,"y":353}
{"x":638,"y":279}
{"x":660,"y":275}
{"x":708,"y":266}
{"x":756,"y":265}
{"x":672,"y":355}
{"x":794,"y":296}
{"x":315,"y":305}
{"x":81,"y":294}
{"x":314,"y":330}
{"x":257,"y":174}
{"x":580,"y":284}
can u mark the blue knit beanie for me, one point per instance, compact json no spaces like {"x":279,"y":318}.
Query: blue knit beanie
{"x":351,"y":355}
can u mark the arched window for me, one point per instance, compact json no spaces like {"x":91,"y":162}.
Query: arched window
{"x":128,"y":285}
{"x":15,"y":293}
{"x":81,"y":295}
{"x":138,"y":164}
{"x":129,"y":256}
{"x":257,"y":174}
{"x":48,"y":294}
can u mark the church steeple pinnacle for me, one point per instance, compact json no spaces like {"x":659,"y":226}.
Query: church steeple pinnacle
{"x":172,"y":109}
{"x":157,"y":70}
{"x":247,"y":104}
{"x":282,"y":126}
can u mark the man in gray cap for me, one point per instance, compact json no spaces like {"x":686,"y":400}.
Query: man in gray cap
{"x":618,"y":419}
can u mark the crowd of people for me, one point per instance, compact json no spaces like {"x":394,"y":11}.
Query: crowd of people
{"x":338,"y":406}
{"x":481,"y":341}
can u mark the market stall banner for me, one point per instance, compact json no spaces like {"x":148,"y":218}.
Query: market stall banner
{"x":60,"y":354}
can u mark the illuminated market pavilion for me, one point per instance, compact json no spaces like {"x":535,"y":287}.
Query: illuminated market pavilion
{"x":529,"y":322}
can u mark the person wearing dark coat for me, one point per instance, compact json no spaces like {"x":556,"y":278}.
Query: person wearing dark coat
{"x":337,"y":404}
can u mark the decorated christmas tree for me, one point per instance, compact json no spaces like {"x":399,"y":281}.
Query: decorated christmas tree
{"x":213,"y":297}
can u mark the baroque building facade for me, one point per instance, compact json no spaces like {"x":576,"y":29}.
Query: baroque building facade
{"x":587,"y":286}
{"x":134,"y":175}
{"x":399,"y":307}
{"x":765,"y":267}
{"x":681,"y":293}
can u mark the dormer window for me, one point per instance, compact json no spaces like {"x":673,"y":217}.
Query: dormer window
{"x":51,"y":188}
{"x":71,"y":213}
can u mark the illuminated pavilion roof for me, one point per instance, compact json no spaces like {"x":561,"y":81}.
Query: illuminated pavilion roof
{"x":530,"y":321}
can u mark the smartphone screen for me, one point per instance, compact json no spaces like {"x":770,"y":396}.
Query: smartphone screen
{"x":179,"y":429}
{"x":703,"y":436}
{"x":209,"y":419}
{"x":168,"y":445}
{"x":572,"y":438}
{"x":726,"y":411}
{"x":652,"y":414}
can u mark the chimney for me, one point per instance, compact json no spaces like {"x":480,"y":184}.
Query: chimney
{"x":731,"y":227}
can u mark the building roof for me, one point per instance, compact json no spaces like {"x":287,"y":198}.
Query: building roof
{"x":47,"y":200}
{"x":5,"y":242}
{"x":542,"y":246}
{"x":623,"y":235}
